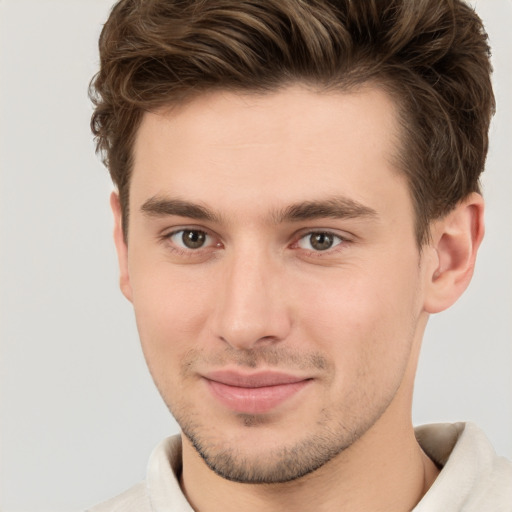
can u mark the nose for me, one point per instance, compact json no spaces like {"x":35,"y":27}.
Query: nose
{"x":252,"y":309}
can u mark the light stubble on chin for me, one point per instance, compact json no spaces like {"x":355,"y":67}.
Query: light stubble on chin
{"x":334,"y":432}
{"x":284,"y":464}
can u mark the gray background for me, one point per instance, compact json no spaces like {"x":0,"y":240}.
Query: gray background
{"x":79,"y":414}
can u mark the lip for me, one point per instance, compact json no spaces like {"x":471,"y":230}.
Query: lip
{"x":255,"y":393}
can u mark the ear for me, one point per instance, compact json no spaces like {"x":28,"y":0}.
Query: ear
{"x":121,"y":246}
{"x":455,"y":242}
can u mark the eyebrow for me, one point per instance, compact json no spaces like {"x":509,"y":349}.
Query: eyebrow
{"x":337,"y":207}
{"x":162,"y":206}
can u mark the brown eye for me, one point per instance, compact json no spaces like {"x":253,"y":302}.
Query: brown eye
{"x":190,"y":238}
{"x":193,"y":239}
{"x":319,"y":241}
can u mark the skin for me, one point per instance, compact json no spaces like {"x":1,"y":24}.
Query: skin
{"x":257,"y":295}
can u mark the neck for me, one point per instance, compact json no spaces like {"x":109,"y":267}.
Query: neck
{"x":384,"y":470}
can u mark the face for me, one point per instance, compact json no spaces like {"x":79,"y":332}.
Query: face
{"x":274,"y":273}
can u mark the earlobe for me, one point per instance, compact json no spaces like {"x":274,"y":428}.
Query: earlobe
{"x":121,"y":246}
{"x":455,"y":242}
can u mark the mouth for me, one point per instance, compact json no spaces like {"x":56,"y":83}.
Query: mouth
{"x":256,"y":393}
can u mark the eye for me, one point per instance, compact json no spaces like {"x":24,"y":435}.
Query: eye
{"x":190,"y":239}
{"x":319,"y":241}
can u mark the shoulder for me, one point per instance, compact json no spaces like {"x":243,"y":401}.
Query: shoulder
{"x":135,"y":499}
{"x":473,"y":478}
{"x":160,"y":490}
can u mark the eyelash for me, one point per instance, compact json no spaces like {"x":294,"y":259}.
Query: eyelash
{"x":182,"y":251}
{"x":189,"y":252}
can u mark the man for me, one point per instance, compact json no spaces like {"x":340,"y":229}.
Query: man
{"x":297,"y":191}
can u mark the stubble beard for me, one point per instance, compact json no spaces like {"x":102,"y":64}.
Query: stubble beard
{"x":285,"y":463}
{"x":334,"y":432}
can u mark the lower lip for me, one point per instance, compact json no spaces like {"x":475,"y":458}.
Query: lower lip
{"x":254,"y":400}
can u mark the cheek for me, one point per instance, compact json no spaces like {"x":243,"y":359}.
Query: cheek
{"x":365,"y":321}
{"x":171,"y":311}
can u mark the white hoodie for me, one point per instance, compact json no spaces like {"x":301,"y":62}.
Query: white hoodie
{"x":473,"y":478}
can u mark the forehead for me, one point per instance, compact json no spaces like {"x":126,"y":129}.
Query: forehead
{"x":228,"y":149}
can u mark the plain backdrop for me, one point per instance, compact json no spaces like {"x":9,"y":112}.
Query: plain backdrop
{"x":79,"y":414}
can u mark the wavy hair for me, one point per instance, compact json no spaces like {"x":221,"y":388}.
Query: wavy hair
{"x":431,"y":56}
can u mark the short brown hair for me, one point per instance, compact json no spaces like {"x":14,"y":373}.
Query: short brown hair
{"x":432,"y":56}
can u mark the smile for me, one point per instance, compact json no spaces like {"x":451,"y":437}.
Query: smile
{"x":254,"y":394}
